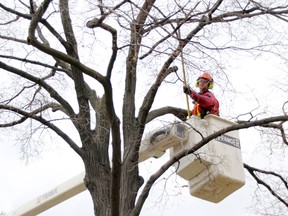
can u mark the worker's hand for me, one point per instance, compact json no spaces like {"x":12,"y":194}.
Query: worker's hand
{"x":186,"y":89}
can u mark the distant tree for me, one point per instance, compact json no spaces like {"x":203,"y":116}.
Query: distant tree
{"x":66,"y":60}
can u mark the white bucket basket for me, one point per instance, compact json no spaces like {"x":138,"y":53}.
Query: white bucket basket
{"x":215,"y":170}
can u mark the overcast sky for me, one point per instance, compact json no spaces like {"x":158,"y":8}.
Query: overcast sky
{"x":21,"y":182}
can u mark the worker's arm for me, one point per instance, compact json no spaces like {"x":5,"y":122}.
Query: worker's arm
{"x":205,"y":100}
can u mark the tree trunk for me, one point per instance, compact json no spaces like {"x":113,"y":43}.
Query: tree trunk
{"x":130,"y":179}
{"x":96,"y":160}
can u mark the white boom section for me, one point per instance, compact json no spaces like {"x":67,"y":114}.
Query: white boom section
{"x":52,"y":197}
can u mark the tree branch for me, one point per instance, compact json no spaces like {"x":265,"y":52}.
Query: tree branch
{"x":36,"y":18}
{"x":32,"y":115}
{"x":96,"y":23}
{"x":150,"y":96}
{"x":53,"y":106}
{"x":178,"y":112}
{"x":253,"y":171}
{"x":43,"y":84}
{"x":280,"y":127}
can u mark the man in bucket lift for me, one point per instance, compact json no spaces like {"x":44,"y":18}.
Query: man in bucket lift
{"x":204,"y":102}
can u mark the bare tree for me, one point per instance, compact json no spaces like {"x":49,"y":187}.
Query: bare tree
{"x":84,"y":45}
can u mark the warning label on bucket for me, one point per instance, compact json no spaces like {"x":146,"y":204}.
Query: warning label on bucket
{"x":229,"y":141}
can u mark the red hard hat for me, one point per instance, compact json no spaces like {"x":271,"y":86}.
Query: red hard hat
{"x":207,"y":76}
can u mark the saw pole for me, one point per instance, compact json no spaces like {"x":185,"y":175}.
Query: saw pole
{"x":185,"y":84}
{"x":184,"y":78}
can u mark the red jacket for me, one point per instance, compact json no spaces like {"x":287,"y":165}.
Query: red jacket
{"x":206,"y":103}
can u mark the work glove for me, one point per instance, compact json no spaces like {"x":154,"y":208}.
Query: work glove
{"x":186,"y":89}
